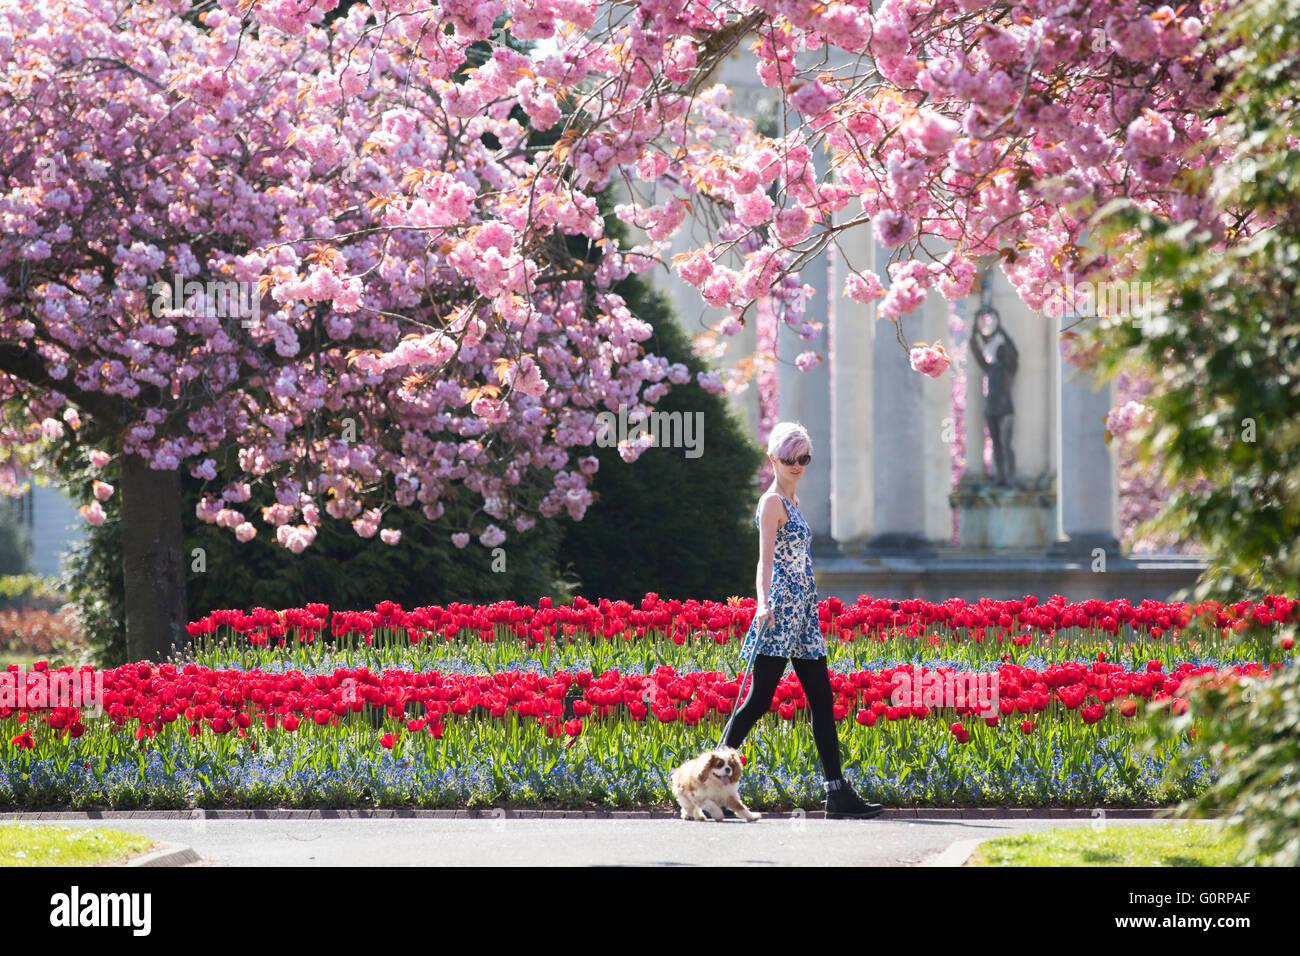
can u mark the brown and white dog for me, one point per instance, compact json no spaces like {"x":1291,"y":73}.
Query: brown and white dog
{"x":707,"y":783}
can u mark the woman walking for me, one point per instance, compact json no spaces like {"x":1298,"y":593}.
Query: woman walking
{"x":785,"y":623}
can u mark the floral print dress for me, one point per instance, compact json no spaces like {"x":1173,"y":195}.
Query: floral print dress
{"x":793,"y":630}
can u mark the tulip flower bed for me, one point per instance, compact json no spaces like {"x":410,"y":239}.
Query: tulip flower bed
{"x":498,"y":713}
{"x":704,"y":635}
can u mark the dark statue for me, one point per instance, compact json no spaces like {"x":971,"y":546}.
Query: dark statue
{"x":999,"y":413}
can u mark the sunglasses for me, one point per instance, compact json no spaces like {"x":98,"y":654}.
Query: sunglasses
{"x":801,"y":460}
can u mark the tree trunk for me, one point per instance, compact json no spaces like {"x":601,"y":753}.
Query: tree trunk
{"x":153,"y":561}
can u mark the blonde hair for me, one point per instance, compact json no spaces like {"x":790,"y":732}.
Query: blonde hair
{"x":787,"y":438}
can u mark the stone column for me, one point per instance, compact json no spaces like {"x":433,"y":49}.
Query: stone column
{"x":1087,"y":513}
{"x":939,"y":432}
{"x":898,"y":432}
{"x":805,"y":397}
{"x":852,"y":344}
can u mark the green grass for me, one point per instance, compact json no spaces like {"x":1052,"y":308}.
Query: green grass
{"x":26,"y":844}
{"x":1195,"y":844}
{"x":25,"y":661}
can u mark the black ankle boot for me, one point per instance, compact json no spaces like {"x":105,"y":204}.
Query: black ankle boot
{"x":844,"y":802}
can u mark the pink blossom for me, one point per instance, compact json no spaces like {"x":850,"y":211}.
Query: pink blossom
{"x":956,"y":275}
{"x":815,"y":98}
{"x":863,"y":288}
{"x":93,"y":513}
{"x":695,"y":267}
{"x":296,"y":538}
{"x":929,"y":360}
{"x":1148,"y":136}
{"x":525,"y":377}
{"x":1123,"y":419}
{"x":931,"y":132}
{"x":366,"y":525}
{"x":754,"y":208}
{"x":893,"y":228}
{"x":792,"y":224}
{"x":103,"y":490}
{"x":720,"y":286}
{"x":807,"y":359}
{"x":904,"y":296}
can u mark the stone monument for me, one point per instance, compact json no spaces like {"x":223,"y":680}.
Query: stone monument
{"x":881,"y":502}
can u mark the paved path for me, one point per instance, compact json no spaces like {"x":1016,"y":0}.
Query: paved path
{"x":772,"y":841}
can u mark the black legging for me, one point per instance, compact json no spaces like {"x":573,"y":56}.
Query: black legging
{"x":815,"y":678}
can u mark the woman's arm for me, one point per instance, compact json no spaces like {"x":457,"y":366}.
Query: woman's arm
{"x":977,"y":348}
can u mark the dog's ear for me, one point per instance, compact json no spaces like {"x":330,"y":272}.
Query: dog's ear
{"x":736,"y":769}
{"x":707,"y":762}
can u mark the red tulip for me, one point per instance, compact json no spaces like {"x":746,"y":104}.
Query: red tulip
{"x":388,"y":740}
{"x":1027,"y":726}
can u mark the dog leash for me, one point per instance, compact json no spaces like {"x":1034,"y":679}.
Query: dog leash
{"x":749,"y":667}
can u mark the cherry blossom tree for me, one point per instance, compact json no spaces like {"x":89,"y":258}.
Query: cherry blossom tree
{"x":421,"y":313}
{"x":957,"y":130}
{"x":265,"y":244}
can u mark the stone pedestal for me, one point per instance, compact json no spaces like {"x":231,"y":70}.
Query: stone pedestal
{"x":1007,"y":575}
{"x":995,"y":518}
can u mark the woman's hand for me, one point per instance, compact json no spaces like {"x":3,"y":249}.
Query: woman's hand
{"x":761,"y":619}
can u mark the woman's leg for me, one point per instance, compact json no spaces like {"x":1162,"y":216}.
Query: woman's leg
{"x":815,"y":678}
{"x":767,"y":673}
